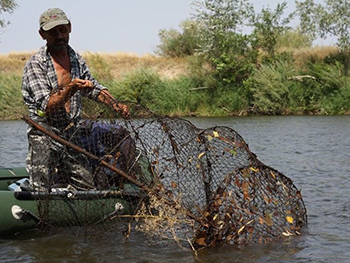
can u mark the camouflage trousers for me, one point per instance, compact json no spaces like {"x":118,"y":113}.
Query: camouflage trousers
{"x":51,"y":164}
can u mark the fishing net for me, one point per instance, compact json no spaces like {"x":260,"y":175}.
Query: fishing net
{"x":170,"y":180}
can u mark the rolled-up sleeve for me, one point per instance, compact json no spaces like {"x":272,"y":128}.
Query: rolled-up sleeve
{"x":36,"y":88}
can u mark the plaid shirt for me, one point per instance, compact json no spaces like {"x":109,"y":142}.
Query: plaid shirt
{"x":40,"y":81}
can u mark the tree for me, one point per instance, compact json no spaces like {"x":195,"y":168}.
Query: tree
{"x":330,"y":19}
{"x":222,"y":43}
{"x":294,"y":39}
{"x":269,"y":26}
{"x":220,"y":20}
{"x":179,"y":44}
{"x":6,"y":6}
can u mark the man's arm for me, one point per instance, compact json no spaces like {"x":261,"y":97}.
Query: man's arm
{"x":106,"y":98}
{"x":59,"y":98}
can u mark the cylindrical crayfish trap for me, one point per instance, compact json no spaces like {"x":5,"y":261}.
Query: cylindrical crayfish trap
{"x":172,"y":180}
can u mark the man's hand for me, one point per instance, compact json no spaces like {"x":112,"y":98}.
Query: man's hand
{"x":81,"y":84}
{"x":123,"y":109}
{"x":106,"y":98}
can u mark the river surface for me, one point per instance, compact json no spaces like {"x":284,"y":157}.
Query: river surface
{"x":314,"y":151}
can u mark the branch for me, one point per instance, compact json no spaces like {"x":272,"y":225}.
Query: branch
{"x":301,"y":78}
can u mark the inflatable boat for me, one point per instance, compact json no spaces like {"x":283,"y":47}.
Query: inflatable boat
{"x":22,"y":209}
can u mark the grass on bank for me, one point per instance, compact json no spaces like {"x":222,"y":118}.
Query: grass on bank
{"x":182,"y":87}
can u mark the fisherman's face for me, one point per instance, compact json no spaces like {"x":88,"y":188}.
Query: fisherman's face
{"x":57,"y":38}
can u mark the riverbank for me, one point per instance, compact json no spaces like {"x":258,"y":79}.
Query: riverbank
{"x":305,"y":82}
{"x":108,"y":69}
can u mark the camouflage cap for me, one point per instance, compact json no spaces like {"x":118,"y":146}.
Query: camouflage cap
{"x":53,"y":17}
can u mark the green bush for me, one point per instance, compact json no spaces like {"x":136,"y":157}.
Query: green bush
{"x":292,"y":39}
{"x":179,"y":44}
{"x":268,"y":88}
{"x":134,"y":86}
{"x":11,"y":102}
{"x":163,"y":96}
{"x":338,"y":102}
{"x":329,"y":92}
{"x":100,"y":69}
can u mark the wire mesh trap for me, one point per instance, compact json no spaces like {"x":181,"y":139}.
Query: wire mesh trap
{"x":173,"y":181}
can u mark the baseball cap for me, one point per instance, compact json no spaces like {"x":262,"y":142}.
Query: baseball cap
{"x":53,"y":17}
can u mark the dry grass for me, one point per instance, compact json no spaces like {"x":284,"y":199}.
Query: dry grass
{"x":122,"y":63}
{"x":317,"y":54}
{"x":13,"y":62}
{"x":119,"y":64}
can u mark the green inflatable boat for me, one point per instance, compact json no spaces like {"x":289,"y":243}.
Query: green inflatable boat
{"x":22,"y":209}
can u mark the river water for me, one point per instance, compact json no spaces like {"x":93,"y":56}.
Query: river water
{"x":314,"y":151}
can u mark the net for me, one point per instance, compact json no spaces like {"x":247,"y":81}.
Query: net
{"x":170,"y":180}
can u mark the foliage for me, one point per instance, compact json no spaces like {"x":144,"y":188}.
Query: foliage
{"x":6,"y":6}
{"x":174,"y":97}
{"x":278,"y":88}
{"x":329,"y":81}
{"x":269,"y":26}
{"x":228,"y":101}
{"x":337,"y":103}
{"x":332,"y":18}
{"x":11,"y":103}
{"x":220,"y":22}
{"x":135,"y":85}
{"x":235,"y":64}
{"x":269,"y":88}
{"x":293,"y":39}
{"x":283,"y":85}
{"x":179,"y":44}
{"x":224,"y":47}
{"x":100,"y":69}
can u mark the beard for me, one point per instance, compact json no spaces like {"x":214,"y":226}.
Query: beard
{"x":59,"y":44}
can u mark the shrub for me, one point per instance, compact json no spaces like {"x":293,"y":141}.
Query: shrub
{"x":268,"y":88}
{"x":11,"y":102}
{"x":179,"y":44}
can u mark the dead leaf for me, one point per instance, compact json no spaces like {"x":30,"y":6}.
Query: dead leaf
{"x":218,"y":202}
{"x":273,"y":175}
{"x":240,"y":230}
{"x":245,"y":188}
{"x":266,"y":199}
{"x":201,"y":241}
{"x":261,"y":220}
{"x":254,"y":169}
{"x":290,"y":219}
{"x":245,"y":173}
{"x":287,"y":234}
{"x":200,"y":155}
{"x":268,"y":220}
{"x":249,"y":222}
{"x":216,"y":134}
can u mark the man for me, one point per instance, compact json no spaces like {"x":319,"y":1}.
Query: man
{"x":54,"y":81}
